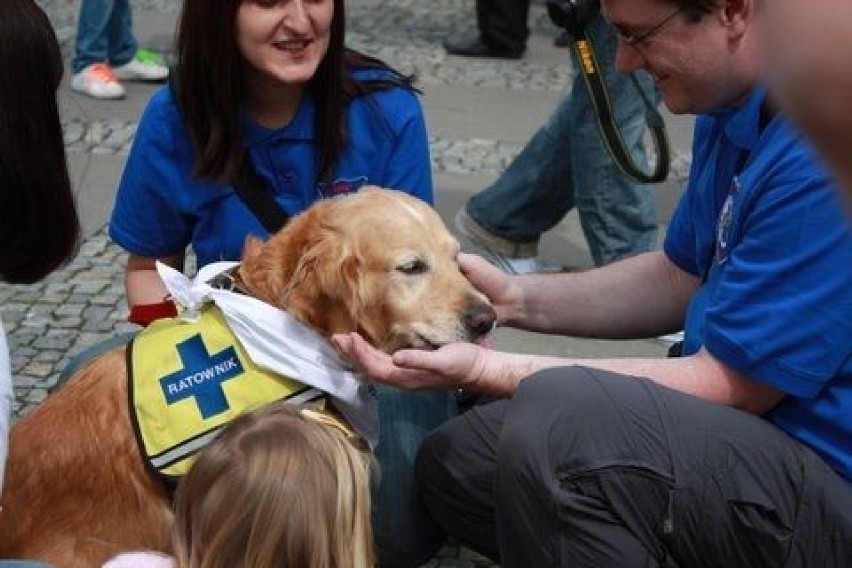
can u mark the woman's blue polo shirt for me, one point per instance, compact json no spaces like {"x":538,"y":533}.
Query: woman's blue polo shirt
{"x":161,"y":209}
{"x":763,"y":226}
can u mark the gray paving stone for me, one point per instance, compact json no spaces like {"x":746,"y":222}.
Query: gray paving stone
{"x":35,"y":396}
{"x":70,"y":309}
{"x":37,"y":369}
{"x":68,"y":323}
{"x":50,"y":356}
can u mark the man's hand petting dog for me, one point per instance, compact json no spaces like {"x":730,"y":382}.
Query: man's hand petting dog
{"x":491,"y":281}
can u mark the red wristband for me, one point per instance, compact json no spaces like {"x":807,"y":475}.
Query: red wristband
{"x":144,"y":314}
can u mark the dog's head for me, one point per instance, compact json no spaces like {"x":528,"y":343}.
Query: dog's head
{"x":379,"y":262}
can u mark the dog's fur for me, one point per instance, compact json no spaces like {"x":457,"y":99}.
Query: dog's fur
{"x":380,"y":262}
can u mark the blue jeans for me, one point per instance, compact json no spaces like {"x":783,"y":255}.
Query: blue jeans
{"x":405,"y":533}
{"x":566,"y":164}
{"x":23,"y":564}
{"x":104,"y":34}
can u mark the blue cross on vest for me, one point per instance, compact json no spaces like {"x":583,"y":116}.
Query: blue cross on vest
{"x":202,"y":376}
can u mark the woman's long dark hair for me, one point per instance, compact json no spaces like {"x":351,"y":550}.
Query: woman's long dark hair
{"x":210,"y":89}
{"x":39,"y":226}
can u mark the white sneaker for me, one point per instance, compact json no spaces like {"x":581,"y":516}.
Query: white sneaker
{"x":145,"y":66}
{"x":530,"y":265}
{"x":97,"y":80}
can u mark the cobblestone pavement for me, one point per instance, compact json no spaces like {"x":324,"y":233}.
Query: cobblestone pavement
{"x":84,"y":303}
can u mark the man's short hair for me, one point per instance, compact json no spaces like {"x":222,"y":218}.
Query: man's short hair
{"x":695,"y":9}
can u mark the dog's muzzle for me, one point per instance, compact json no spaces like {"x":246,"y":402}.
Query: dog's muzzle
{"x":479,"y":319}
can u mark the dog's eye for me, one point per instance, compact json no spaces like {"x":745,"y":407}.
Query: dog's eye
{"x":415,"y":266}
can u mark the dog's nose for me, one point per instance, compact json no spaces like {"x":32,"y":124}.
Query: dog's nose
{"x":479,"y":319}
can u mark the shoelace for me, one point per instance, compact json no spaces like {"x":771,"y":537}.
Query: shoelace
{"x":102,"y":72}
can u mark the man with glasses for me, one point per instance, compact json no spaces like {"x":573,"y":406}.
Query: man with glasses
{"x":637,"y":40}
{"x":736,"y":454}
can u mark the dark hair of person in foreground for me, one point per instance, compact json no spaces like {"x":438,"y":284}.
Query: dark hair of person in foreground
{"x":39,"y":225}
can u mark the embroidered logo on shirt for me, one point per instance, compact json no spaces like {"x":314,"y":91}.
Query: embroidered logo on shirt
{"x":723,"y":225}
{"x":340,"y":187}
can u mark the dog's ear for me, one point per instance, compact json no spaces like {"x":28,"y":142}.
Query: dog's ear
{"x":267,"y":268}
{"x":263,"y":279}
{"x":325,"y":291}
{"x":252,"y":250}
{"x":309,"y":269}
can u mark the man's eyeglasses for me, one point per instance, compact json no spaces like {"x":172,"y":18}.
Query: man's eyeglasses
{"x":635,"y":40}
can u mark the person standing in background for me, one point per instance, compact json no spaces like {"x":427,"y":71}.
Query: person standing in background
{"x":503,"y":31}
{"x":106,"y":51}
{"x":566,"y":164}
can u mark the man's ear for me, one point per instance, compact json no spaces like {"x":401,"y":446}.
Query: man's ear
{"x":738,"y":16}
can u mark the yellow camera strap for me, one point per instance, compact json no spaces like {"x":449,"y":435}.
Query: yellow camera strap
{"x":599,"y":96}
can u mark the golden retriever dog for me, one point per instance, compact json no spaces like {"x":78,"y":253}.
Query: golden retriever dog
{"x":380,"y":262}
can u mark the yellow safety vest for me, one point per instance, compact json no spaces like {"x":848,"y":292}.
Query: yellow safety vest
{"x":187,"y":379}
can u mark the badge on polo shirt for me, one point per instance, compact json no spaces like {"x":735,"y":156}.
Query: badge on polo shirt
{"x":725,"y":221}
{"x":341,"y":186}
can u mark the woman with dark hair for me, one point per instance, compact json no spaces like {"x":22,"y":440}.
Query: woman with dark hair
{"x":270,"y":84}
{"x":39,"y":227}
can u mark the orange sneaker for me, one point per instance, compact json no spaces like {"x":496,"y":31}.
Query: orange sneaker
{"x":97,"y":80}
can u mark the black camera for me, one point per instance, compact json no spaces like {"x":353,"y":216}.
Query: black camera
{"x":573,"y":15}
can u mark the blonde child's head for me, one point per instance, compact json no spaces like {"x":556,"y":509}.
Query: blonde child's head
{"x":281,"y":486}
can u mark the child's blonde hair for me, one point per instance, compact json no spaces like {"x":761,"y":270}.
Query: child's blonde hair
{"x":281,"y":486}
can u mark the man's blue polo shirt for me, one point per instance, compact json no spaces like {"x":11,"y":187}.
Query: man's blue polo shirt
{"x":763,"y":226}
{"x":160,"y":208}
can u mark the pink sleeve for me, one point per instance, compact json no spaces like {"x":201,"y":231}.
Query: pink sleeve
{"x":140,"y":560}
